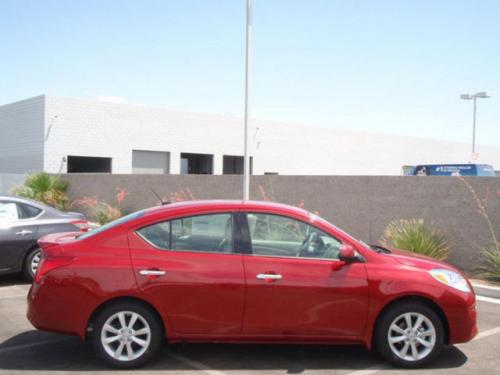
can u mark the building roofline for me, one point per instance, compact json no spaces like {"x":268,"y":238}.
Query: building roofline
{"x":255,"y":121}
{"x":41,"y":96}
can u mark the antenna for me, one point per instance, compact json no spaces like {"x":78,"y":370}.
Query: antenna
{"x":163,"y":203}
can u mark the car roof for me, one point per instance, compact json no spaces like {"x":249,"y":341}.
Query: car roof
{"x":42,"y":206}
{"x":11,"y":198}
{"x":224,"y":204}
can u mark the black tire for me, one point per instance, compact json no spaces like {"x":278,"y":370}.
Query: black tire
{"x":396,"y":313}
{"x":28,"y":271}
{"x":155,"y":339}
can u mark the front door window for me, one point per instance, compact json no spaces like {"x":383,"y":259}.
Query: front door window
{"x":273,"y":235}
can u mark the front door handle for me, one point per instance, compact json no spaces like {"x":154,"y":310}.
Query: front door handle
{"x":24,"y":232}
{"x":268,"y":276}
{"x":152,"y":272}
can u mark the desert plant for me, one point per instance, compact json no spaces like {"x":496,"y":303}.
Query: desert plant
{"x":491,"y":265}
{"x":101,"y":211}
{"x":491,"y":253}
{"x":44,"y":188}
{"x":417,"y":236}
{"x":104,"y":213}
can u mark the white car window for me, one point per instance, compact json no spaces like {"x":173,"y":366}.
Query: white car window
{"x":8,"y":212}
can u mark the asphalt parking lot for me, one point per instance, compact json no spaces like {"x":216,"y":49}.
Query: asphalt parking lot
{"x":24,"y":350}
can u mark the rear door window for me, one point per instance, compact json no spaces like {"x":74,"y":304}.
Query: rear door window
{"x":206,"y":233}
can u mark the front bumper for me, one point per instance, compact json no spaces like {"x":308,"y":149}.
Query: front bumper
{"x":462,"y":322}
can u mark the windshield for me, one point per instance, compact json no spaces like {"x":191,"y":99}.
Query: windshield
{"x":112,"y":224}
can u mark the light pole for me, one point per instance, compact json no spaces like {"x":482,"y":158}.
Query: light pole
{"x":481,"y":95}
{"x":246,"y":164}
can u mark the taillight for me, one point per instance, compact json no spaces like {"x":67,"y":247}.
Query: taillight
{"x":82,"y":225}
{"x":50,"y":263}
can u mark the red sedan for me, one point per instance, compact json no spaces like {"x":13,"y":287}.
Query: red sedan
{"x":233,"y":271}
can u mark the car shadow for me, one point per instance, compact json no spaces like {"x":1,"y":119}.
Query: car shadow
{"x":42,"y":351}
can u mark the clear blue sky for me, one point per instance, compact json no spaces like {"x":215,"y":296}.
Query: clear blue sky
{"x":379,"y":66}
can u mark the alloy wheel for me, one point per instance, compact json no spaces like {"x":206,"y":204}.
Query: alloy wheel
{"x":125,"y":336}
{"x":411,"y":336}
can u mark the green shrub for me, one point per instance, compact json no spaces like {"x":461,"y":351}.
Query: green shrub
{"x":44,"y":188}
{"x":491,"y":267}
{"x":417,"y":236}
{"x":105,"y":213}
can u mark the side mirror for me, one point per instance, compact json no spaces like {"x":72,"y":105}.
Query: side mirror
{"x":348,"y":254}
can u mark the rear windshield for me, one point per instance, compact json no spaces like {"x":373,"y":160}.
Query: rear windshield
{"x":112,"y":224}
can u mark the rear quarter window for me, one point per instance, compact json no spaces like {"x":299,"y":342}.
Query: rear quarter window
{"x":26,"y":211}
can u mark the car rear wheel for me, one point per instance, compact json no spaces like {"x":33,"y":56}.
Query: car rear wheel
{"x":409,"y":334}
{"x":127,"y":335}
{"x":31,"y":263}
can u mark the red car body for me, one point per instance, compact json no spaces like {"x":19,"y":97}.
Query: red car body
{"x":216,"y":297}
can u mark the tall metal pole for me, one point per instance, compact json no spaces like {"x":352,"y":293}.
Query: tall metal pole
{"x":474,"y":127}
{"x":246,"y":161}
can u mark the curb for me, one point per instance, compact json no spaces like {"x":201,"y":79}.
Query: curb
{"x":486,"y":290}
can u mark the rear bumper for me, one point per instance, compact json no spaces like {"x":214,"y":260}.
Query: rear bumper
{"x":48,"y":312}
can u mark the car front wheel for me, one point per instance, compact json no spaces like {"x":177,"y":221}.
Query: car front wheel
{"x":409,"y":334}
{"x":127,"y":335}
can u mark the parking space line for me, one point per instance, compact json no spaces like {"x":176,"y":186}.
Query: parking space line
{"x":31,"y":345}
{"x":485,"y":286}
{"x":369,"y":370}
{"x":195,"y":364}
{"x":490,"y":332}
{"x":488,"y":299}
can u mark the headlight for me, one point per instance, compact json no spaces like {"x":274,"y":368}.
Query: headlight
{"x":451,"y":278}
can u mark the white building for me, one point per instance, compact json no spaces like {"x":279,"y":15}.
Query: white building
{"x":57,"y":134}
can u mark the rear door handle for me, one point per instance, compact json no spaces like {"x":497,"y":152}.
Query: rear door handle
{"x":152,"y":272}
{"x":268,"y":276}
{"x":24,"y":232}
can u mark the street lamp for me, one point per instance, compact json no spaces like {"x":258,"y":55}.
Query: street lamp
{"x":480,"y":95}
{"x":246,"y":163}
